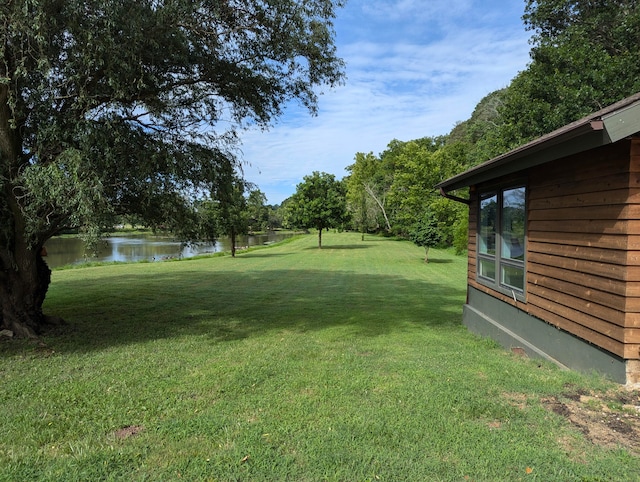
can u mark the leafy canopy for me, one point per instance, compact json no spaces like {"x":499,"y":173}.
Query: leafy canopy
{"x":425,"y":233}
{"x":585,"y":56}
{"x":132,"y":106}
{"x":395,"y":189}
{"x":319,"y":202}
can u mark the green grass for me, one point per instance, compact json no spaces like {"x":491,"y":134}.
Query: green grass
{"x":287,"y":363}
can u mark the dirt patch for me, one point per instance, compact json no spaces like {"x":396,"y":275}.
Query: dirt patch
{"x":127,"y":432}
{"x":518,"y":400}
{"x":610,"y":419}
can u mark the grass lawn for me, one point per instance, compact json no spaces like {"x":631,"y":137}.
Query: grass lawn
{"x":348,"y":363}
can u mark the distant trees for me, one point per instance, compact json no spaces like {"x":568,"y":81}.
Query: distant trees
{"x":480,"y":134}
{"x":391,"y":192}
{"x":257,"y":211}
{"x":418,"y":166}
{"x":367,"y":186}
{"x":225,"y":212}
{"x":233,"y":215}
{"x":584,"y":56}
{"x":319,"y":202}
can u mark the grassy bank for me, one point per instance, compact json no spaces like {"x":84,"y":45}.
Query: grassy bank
{"x":286,"y":363}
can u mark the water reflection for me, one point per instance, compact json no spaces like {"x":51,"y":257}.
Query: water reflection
{"x":64,"y":251}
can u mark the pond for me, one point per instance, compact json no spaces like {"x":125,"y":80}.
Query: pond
{"x":62,"y":251}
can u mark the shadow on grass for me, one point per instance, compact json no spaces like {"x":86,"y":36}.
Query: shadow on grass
{"x":258,"y":254}
{"x":439,"y":261}
{"x":338,"y":246}
{"x":232,"y":305}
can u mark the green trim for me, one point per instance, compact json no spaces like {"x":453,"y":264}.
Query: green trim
{"x":521,"y":160}
{"x":622,"y":123}
{"x":487,"y":316}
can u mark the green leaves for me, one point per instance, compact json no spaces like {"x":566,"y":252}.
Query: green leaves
{"x":395,"y":189}
{"x":62,"y":192}
{"x":585,"y":56}
{"x":142,"y":91}
{"x":319,"y":202}
{"x":130,"y":107}
{"x":425,"y":232}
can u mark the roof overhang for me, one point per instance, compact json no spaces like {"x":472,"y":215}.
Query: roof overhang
{"x":606,"y":126}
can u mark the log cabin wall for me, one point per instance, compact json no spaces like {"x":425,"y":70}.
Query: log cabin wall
{"x":583,"y":247}
{"x":472,"y":230}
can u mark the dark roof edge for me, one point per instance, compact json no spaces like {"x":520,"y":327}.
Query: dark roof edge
{"x":586,"y":126}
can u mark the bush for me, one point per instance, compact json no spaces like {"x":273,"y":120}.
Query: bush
{"x":461,"y":234}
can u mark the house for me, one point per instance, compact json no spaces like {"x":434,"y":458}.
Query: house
{"x":554,"y":244}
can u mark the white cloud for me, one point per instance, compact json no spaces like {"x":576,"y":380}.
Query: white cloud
{"x":404,"y":88}
{"x":417,"y":10}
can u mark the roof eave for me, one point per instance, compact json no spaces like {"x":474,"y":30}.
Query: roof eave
{"x":604,"y":127}
{"x":530,"y":155}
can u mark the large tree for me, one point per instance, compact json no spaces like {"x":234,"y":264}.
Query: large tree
{"x":319,"y":202}
{"x":584,"y":56}
{"x":417,"y":166}
{"x":112,"y":107}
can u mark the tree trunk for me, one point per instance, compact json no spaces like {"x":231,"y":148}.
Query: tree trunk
{"x":426,"y":254}
{"x":22,"y":292}
{"x":233,"y":243}
{"x":380,"y":204}
{"x":24,"y":275}
{"x":320,"y":238}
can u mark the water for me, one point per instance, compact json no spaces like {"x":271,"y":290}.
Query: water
{"x":68,"y":250}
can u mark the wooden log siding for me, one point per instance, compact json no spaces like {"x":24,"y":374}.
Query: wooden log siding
{"x":583,"y":246}
{"x":472,"y":246}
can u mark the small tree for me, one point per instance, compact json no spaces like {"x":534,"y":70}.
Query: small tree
{"x":426,"y":234}
{"x":257,"y":211}
{"x":319,"y":202}
{"x":233,"y":216}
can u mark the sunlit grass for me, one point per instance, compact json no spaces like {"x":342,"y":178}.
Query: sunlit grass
{"x":286,"y":363}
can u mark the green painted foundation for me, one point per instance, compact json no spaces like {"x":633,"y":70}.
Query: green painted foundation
{"x":513,"y":328}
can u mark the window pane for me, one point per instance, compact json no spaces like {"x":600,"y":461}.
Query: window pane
{"x":513,"y":277}
{"x":488,"y":216}
{"x":513,"y":224}
{"x":487,"y":268}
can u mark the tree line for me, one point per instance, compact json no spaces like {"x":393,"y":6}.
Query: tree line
{"x":585,"y":55}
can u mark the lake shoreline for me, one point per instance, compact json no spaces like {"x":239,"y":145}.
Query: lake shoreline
{"x":121,"y":247}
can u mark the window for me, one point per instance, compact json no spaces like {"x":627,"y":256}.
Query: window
{"x":501,"y":239}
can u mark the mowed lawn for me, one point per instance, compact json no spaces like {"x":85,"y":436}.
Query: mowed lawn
{"x":348,"y":363}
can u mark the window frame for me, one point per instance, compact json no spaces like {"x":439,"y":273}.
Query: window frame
{"x":484,"y":254}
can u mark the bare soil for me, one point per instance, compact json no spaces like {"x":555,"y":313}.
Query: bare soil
{"x":610,"y":419}
{"x":126,"y":432}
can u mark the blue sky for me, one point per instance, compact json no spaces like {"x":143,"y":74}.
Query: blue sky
{"x":414,"y":68}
